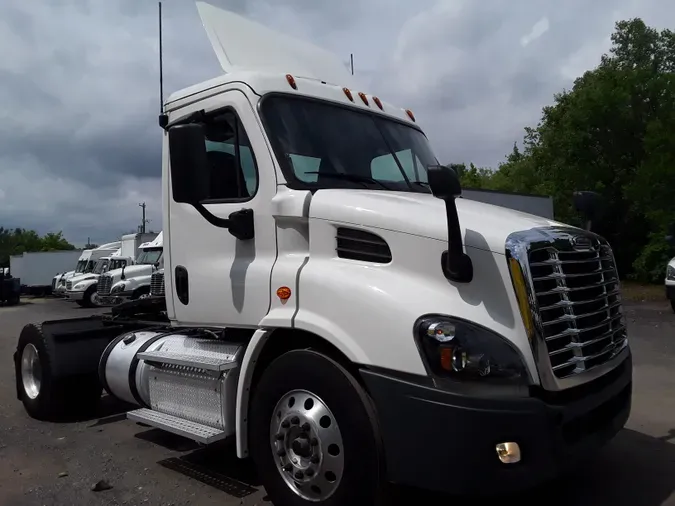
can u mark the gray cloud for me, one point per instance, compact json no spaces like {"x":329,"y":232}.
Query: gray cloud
{"x":79,"y":141}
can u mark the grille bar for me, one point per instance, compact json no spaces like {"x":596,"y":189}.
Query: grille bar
{"x":157,"y":284}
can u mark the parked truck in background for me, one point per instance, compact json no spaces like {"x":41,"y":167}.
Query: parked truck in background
{"x":10,"y":288}
{"x":352,"y":327}
{"x":85,"y":264}
{"x":83,"y":289}
{"x":131,"y":283}
{"x":670,"y":270}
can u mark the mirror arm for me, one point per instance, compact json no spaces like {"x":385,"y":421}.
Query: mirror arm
{"x":240,"y":223}
{"x":456,"y":264}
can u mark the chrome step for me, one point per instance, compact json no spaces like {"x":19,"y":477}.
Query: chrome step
{"x":205,"y":363}
{"x":191,"y":430}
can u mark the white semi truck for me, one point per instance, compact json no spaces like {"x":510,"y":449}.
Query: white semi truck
{"x":346,"y":330}
{"x":83,"y":289}
{"x":85,"y":264}
{"x":131,"y":283}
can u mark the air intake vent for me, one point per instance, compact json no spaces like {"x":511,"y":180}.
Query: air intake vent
{"x":360,"y":245}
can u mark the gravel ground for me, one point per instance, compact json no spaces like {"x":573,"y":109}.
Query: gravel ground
{"x":57,"y":464}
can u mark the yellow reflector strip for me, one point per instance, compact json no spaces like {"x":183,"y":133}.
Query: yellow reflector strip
{"x":521,"y":296}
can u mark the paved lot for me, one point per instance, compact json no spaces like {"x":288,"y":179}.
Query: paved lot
{"x":146,"y":466}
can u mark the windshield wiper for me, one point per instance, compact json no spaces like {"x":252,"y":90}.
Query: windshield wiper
{"x":357,"y":178}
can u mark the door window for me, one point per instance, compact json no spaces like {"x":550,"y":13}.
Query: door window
{"x":234,"y":174}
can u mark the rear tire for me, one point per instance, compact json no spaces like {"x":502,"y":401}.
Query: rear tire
{"x":314,"y":463}
{"x":44,"y":396}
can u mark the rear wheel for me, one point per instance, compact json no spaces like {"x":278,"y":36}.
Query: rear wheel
{"x":43,"y":395}
{"x":314,"y":435}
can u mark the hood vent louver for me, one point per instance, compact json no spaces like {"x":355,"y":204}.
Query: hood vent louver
{"x":361,"y":245}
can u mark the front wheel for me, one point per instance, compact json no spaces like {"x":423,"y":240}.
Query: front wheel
{"x":314,"y":435}
{"x":90,"y":298}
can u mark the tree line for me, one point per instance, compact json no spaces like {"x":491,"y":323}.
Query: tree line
{"x":18,"y":241}
{"x":613,"y":133}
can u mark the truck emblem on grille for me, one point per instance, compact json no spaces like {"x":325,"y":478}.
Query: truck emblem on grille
{"x":581,"y":242}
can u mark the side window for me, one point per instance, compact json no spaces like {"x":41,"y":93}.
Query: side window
{"x":305,"y":167}
{"x":234,"y":175}
{"x":385,"y":167}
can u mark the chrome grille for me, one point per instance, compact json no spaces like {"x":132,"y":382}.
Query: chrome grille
{"x":579,"y":307}
{"x":574,"y":296}
{"x":157,"y":284}
{"x":104,"y":285}
{"x":69,"y":285}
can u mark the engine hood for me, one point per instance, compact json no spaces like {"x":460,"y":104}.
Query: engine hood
{"x":132,"y":271}
{"x":484,"y":226}
{"x":82,"y":277}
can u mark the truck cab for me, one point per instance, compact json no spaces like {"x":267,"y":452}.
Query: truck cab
{"x":83,"y":288}
{"x":132,"y":282}
{"x":332,"y":305}
{"x":59,"y":281}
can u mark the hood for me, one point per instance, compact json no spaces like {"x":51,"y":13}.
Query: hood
{"x":83,"y":277}
{"x":131,"y":271}
{"x":242,"y":44}
{"x":484,"y":226}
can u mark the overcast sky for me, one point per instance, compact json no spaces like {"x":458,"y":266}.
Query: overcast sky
{"x":79,"y":141}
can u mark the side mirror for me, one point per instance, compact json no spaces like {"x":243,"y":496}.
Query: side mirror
{"x":190,"y":174}
{"x":589,"y":204}
{"x":444,"y":184}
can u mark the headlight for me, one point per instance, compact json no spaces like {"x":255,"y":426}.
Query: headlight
{"x":79,"y":287}
{"x":118,"y":288}
{"x":460,"y":350}
{"x":670,"y":273}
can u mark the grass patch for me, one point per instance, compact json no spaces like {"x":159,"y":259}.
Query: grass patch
{"x":637,"y":292}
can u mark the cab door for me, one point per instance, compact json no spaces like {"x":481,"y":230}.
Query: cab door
{"x":214,"y":278}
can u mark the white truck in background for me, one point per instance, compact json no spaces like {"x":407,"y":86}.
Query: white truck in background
{"x":85,"y":264}
{"x":83,"y":289}
{"x":36,"y":269}
{"x":670,"y":270}
{"x":347,"y":329}
{"x":131,"y":283}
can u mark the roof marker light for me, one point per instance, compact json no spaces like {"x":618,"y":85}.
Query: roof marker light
{"x":364,"y":98}
{"x":410,"y":114}
{"x":291,"y":81}
{"x":378,"y":102}
{"x":348,"y":93}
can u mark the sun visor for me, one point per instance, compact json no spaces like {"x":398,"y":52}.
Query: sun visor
{"x":240,"y":43}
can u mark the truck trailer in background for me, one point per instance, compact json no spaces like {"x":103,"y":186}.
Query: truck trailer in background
{"x":539,"y":205}
{"x":37,"y":269}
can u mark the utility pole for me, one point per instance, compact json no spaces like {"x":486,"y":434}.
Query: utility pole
{"x":351,"y":58}
{"x":143,"y":221}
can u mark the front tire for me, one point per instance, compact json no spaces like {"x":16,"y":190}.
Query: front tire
{"x":89,"y":298}
{"x":314,"y":435}
{"x":44,"y":396}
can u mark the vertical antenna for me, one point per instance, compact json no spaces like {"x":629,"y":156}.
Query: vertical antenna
{"x":161,"y":69}
{"x":351,"y":57}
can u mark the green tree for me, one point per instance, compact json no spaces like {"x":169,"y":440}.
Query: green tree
{"x":611,"y":133}
{"x":17,"y":241}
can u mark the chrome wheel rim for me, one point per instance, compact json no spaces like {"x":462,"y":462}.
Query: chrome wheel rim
{"x":307,"y":445}
{"x":31,"y":371}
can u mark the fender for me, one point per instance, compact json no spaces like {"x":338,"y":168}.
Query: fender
{"x":255,"y":346}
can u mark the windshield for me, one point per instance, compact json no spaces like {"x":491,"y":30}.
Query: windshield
{"x":101,"y":266}
{"x":320,"y":145}
{"x":81,"y":264}
{"x":149,"y":256}
{"x":117,"y":264}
